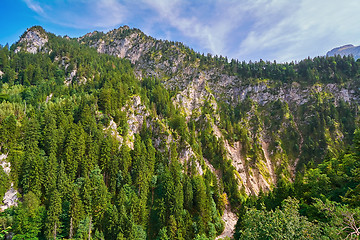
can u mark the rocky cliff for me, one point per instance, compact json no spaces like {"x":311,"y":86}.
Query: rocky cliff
{"x":180,"y":68}
{"x":33,"y":40}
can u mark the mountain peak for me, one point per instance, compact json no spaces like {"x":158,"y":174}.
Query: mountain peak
{"x":36,"y":28}
{"x":32,"y":40}
{"x":125,"y":27}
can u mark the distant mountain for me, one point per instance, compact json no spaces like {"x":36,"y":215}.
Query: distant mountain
{"x":345,"y":50}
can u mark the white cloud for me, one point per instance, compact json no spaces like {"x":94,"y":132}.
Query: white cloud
{"x":210,"y":30}
{"x":83,"y":14}
{"x":279,"y":30}
{"x":110,"y":12}
{"x":309,"y":29}
{"x":34,"y":6}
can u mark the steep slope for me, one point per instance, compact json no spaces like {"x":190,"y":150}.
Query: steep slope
{"x":196,"y":77}
{"x":96,"y":152}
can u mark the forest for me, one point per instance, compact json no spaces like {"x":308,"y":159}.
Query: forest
{"x":77,"y":180}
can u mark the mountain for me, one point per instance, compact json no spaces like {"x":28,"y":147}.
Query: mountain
{"x":345,"y":51}
{"x":120,"y":135}
{"x":261,"y":86}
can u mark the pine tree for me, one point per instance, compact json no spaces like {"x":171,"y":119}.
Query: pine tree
{"x":8,"y":132}
{"x":50,"y":168}
{"x":76,"y":212}
{"x":139,"y":167}
{"x":70,"y":160}
{"x":126,"y":160}
{"x":99,"y":195}
{"x":80,"y":149}
{"x":177,"y":194}
{"x":28,"y":217}
{"x":91,"y":155}
{"x":86,"y":196}
{"x":62,"y":180}
{"x":50,"y":133}
{"x":53,"y":212}
{"x":32,"y":176}
{"x":105,"y":158}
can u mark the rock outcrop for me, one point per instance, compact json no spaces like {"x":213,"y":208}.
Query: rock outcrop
{"x":10,"y":199}
{"x":33,"y":40}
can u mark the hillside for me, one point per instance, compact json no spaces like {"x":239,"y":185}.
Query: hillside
{"x":243,"y":94}
{"x":122,"y":136}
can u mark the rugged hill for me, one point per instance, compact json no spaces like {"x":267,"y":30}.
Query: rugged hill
{"x":263,"y":106}
{"x":346,"y":50}
{"x":150,"y":119}
{"x":293,"y":89}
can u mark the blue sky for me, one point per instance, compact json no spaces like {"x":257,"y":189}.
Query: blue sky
{"x":282,"y":30}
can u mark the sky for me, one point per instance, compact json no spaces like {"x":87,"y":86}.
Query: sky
{"x":281,"y":30}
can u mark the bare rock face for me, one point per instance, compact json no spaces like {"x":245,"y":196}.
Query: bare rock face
{"x":4,"y":164}
{"x":33,"y":40}
{"x":230,"y":219}
{"x":193,"y":97}
{"x":136,"y":114}
{"x":172,"y":63}
{"x":10,"y":198}
{"x":131,"y":45}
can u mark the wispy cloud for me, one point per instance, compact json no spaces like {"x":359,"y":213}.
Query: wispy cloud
{"x":244,"y":29}
{"x":207,"y":23}
{"x":304,"y":28}
{"x":80,"y":14}
{"x":34,"y":6}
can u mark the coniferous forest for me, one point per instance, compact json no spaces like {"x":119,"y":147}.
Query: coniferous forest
{"x":97,"y":152}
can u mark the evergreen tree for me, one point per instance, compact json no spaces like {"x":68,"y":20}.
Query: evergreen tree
{"x":28,"y":218}
{"x":76,"y":212}
{"x":53,"y":213}
{"x":51,"y":167}
{"x":33,"y":162}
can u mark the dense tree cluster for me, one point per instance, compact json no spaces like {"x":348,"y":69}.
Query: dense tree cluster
{"x":322,"y":203}
{"x":76,"y":180}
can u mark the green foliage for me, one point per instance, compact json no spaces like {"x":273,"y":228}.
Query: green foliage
{"x":53,"y":212}
{"x":285,"y":223}
{"x":328,"y":196}
{"x":77,"y":182}
{"x":4,"y":183}
{"x":343,"y":221}
{"x":28,"y":220}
